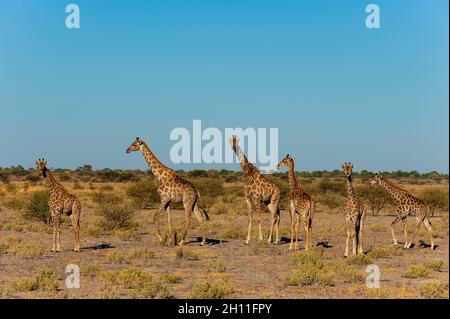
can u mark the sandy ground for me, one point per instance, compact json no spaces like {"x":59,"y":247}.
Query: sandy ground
{"x":258,"y":270}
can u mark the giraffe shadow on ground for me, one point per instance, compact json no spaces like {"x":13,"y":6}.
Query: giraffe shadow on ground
{"x":209,"y":241}
{"x":425,"y":245}
{"x":285,"y":240}
{"x":99,"y":246}
{"x":324,"y":244}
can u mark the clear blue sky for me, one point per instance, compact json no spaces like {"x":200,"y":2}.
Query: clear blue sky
{"x":336,"y":90}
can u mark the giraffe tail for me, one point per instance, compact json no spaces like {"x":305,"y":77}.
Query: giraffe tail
{"x":312,"y":210}
{"x":202,"y":206}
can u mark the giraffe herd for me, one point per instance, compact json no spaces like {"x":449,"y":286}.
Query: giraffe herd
{"x":258,"y":191}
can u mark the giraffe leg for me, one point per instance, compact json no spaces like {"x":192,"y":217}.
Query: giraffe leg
{"x":171,"y":236}
{"x":305,"y":228}
{"x":58,"y":233}
{"x":418,"y":223}
{"x":405,"y":231}
{"x":54,"y":231}
{"x":297,"y":233}
{"x":347,"y":241}
{"x":274,"y":223}
{"x":395,"y":221}
{"x":188,"y":215}
{"x":291,"y":214}
{"x":429,"y":228}
{"x":75,"y":220}
{"x":199,"y":216}
{"x":250,"y":220}
{"x":258,"y":215}
{"x":162,"y":207}
{"x":277,"y":227}
{"x":354,"y":234}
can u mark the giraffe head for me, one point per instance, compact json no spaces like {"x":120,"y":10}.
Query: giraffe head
{"x":347,"y":168}
{"x":376,"y":179}
{"x":285,"y":161}
{"x":234,"y":141}
{"x":41,"y":165}
{"x":135,"y":146}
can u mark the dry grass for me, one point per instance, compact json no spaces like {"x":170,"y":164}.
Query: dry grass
{"x":136,"y":266}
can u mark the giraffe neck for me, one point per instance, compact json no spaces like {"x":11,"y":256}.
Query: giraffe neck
{"x":153,"y":162}
{"x":52,"y":183}
{"x":350,"y":190}
{"x":293,"y":182}
{"x":247,"y":167}
{"x":392,"y":190}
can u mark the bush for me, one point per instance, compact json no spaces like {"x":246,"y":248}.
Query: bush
{"x":140,"y":283}
{"x":101,"y":199}
{"x":115,"y":215}
{"x":332,"y":187}
{"x":212,"y":290}
{"x":436,"y":198}
{"x":434,"y":290}
{"x":419,"y":271}
{"x":44,"y":280}
{"x":143,"y":193}
{"x":309,"y":269}
{"x":331,"y":201}
{"x":375,"y":197}
{"x":37,"y":207}
{"x":15,"y":203}
{"x":209,"y":187}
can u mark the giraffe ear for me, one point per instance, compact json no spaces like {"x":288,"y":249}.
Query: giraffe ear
{"x":45,"y":163}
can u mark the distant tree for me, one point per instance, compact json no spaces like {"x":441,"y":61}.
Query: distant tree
{"x":87,"y":168}
{"x":436,"y":198}
{"x":37,"y":207}
{"x":375,"y":197}
{"x":198,"y":173}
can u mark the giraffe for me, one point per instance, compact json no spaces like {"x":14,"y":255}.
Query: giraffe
{"x":172,"y":189}
{"x":355,"y":213}
{"x":61,"y":201}
{"x":258,"y":190}
{"x":301,"y":204}
{"x":406,"y":205}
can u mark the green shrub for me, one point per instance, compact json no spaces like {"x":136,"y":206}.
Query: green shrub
{"x":434,"y":290}
{"x":418,"y":271}
{"x":360,"y":260}
{"x":376,"y":197}
{"x":333,"y":187}
{"x":309,"y":269}
{"x":37,"y":207}
{"x":15,"y":203}
{"x":331,"y":201}
{"x":143,"y":193}
{"x":434,"y":265}
{"x":140,"y":283}
{"x":209,"y":187}
{"x":436,"y":198}
{"x":114,"y":214}
{"x":212,"y":290}
{"x":44,"y":280}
